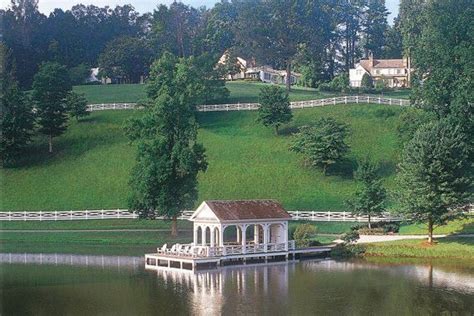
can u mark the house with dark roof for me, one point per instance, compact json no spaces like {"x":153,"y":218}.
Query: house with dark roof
{"x":394,"y":72}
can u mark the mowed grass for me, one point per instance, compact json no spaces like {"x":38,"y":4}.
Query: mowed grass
{"x":240,"y":92}
{"x":462,"y":226}
{"x":449,"y":247}
{"x":91,"y":164}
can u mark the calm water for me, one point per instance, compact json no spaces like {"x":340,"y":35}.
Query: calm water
{"x":87,"y":285}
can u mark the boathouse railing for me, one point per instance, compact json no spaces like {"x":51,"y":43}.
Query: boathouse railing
{"x":317,"y":216}
{"x":254,"y":106}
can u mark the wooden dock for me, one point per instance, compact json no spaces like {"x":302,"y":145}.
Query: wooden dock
{"x":212,"y":260}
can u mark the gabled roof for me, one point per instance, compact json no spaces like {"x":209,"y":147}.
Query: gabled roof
{"x":245,"y":210}
{"x":382,"y":63}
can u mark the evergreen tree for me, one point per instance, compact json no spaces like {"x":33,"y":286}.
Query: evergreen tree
{"x":367,"y":81}
{"x":370,"y":198}
{"x":50,"y":87}
{"x":274,"y":107}
{"x":76,"y":105}
{"x":169,"y":158}
{"x":375,"y":27}
{"x":322,"y":144}
{"x":435,"y":177}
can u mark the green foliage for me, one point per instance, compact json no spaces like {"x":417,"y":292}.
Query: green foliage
{"x":303,"y":235}
{"x":409,"y":121}
{"x":375,"y":27}
{"x":351,"y":237}
{"x":274,"y":107}
{"x":443,"y":58}
{"x":435,"y":174}
{"x":370,"y":198}
{"x":231,"y":65}
{"x":323,"y":144}
{"x":168,"y":157}
{"x":79,"y":74}
{"x":367,"y":82}
{"x":76,"y":105}
{"x":16,"y":122}
{"x":125,"y":59}
{"x":340,"y":83}
{"x":50,"y":88}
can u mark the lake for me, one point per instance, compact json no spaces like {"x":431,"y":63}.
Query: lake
{"x":51,"y":284}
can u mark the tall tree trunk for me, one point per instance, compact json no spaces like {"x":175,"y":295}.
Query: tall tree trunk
{"x":276,"y":130}
{"x":370,"y":226}
{"x":174,"y":227}
{"x":430,"y":230}
{"x":50,"y":142}
{"x":288,"y":76}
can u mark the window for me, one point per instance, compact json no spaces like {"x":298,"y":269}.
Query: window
{"x":399,"y":71}
{"x":267,"y":76}
{"x":358,"y":72}
{"x":377,"y":72}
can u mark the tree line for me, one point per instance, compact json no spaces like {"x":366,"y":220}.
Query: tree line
{"x":318,"y":38}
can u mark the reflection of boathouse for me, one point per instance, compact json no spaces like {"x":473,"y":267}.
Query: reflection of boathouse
{"x":232,"y":231}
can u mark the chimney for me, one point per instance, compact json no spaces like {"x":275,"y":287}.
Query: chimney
{"x":371,"y":60}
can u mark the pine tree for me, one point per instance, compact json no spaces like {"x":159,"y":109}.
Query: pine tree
{"x":375,"y":27}
{"x":50,"y":88}
{"x":77,"y":105}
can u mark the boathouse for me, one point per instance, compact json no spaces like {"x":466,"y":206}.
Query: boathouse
{"x":230,"y":232}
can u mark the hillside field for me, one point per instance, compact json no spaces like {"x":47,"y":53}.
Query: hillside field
{"x":92,"y":161}
{"x":240,"y":91}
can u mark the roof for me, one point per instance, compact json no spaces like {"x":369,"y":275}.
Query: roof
{"x":382,"y":63}
{"x":247,"y":210}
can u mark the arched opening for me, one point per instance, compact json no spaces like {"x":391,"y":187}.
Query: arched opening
{"x":231,"y":235}
{"x":277,"y":233}
{"x":198,"y":236}
{"x":208,"y":236}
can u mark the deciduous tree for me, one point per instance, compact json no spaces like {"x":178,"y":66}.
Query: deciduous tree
{"x":50,"y":87}
{"x":322,"y":144}
{"x":274,"y":107}
{"x":76,"y":105}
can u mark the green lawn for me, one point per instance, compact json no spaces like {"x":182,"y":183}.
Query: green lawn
{"x":464,"y":226}
{"x":92,"y":161}
{"x":239,"y":92}
{"x":450,"y":247}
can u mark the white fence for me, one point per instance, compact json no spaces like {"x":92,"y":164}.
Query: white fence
{"x":124,"y":214}
{"x":254,"y":106}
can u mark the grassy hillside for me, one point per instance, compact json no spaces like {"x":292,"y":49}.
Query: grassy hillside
{"x":239,"y":92}
{"x":92,"y":161}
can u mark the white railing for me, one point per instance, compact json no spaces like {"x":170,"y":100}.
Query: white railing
{"x":317,"y":216}
{"x":254,"y":106}
{"x":198,"y":251}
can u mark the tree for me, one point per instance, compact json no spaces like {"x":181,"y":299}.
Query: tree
{"x":393,"y":47}
{"x":76,"y":105}
{"x":78,"y":74}
{"x":322,"y":144}
{"x":443,"y":57}
{"x":169,"y":158}
{"x":370,"y":198}
{"x":367,"y":82}
{"x":17,"y":123}
{"x":231,"y":64}
{"x":435,"y":177}
{"x":126,"y":58}
{"x":50,"y":87}
{"x":274,"y":107}
{"x":375,"y":27}
{"x":304,"y":234}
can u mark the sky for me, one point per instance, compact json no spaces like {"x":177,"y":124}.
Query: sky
{"x":142,"y":6}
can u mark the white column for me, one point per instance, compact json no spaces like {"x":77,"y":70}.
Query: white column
{"x":255,"y":234}
{"x":244,"y":237}
{"x":239,"y":237}
{"x":195,"y":235}
{"x":265,"y":236}
{"x":213,"y":236}
{"x":203,"y":234}
{"x":221,"y":238}
{"x":285,"y":235}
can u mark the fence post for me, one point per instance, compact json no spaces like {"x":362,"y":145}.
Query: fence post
{"x":102,"y":214}
{"x":334,"y":100}
{"x":55,"y":215}
{"x":380,"y":101}
{"x":368,"y":99}
{"x":86,"y":215}
{"x":9,"y":215}
{"x":24,"y":215}
{"x":344,"y":216}
{"x":390,"y":101}
{"x":329,"y":216}
{"x":312,"y":216}
{"x":357,"y":99}
{"x":345,"y":99}
{"x":41,"y":216}
{"x":71,"y":215}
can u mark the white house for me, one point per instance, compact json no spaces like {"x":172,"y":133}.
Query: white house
{"x":394,"y":72}
{"x":270,"y":75}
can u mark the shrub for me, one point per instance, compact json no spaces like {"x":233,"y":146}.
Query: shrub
{"x":303,"y":235}
{"x":367,"y":82}
{"x":347,"y":251}
{"x":352,"y":237}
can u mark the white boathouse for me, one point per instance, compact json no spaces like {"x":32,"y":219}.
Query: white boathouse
{"x":232,"y":231}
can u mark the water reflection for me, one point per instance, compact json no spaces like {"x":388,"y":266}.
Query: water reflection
{"x":120,"y":285}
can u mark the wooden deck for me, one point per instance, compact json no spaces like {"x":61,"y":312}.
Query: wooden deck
{"x":176,"y":261}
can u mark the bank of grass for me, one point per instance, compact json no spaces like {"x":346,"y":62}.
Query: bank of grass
{"x":92,"y":161}
{"x":462,"y":226}
{"x":106,"y":224}
{"x":448,"y":247}
{"x":240,"y":92}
